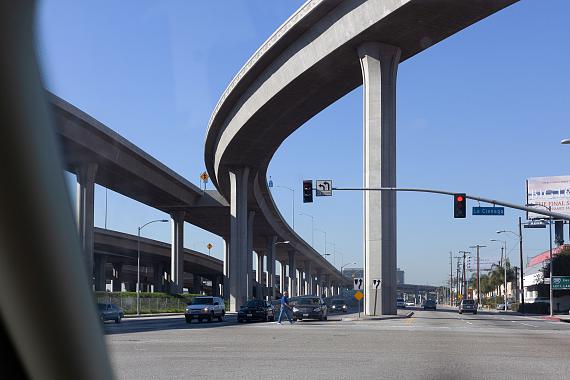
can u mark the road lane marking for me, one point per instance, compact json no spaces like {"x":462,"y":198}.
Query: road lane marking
{"x":526,"y":324}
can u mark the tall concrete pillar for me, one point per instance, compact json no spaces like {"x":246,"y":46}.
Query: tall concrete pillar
{"x":292,"y":274}
{"x":100,"y":280}
{"x":196,"y":283}
{"x":309,"y":278}
{"x":226,"y":284}
{"x":283,"y":277}
{"x":326,"y":285}
{"x":216,"y":286}
{"x":250,"y":253}
{"x":271,"y":267}
{"x":238,"y":252}
{"x":259,"y":276}
{"x":117,"y":277}
{"x":85,"y":212}
{"x":158,"y":277}
{"x":177,"y":252}
{"x":379,"y":63}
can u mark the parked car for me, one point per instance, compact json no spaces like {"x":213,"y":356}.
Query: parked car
{"x":309,"y":307}
{"x":400,"y":303}
{"x":501,"y":306}
{"x":205,"y":307}
{"x":338,"y":305}
{"x":276,"y":304}
{"x":256,"y":310}
{"x":110,"y":312}
{"x":430,"y":304}
{"x":468,"y":306}
{"x":409,"y":304}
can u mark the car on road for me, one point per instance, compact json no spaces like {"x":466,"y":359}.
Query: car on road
{"x":400,"y":302}
{"x":468,"y":306}
{"x":205,"y":308}
{"x":256,"y":310}
{"x":501,"y":306}
{"x":430,"y":305}
{"x":110,"y":312}
{"x":338,"y":306}
{"x":309,"y":307}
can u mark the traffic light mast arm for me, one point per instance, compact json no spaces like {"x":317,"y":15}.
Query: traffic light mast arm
{"x":539,"y":211}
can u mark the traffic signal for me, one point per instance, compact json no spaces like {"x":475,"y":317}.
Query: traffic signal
{"x":308,"y":191}
{"x":459,"y":206}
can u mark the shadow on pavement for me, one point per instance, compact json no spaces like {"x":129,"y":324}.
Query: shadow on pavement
{"x":161,"y":324}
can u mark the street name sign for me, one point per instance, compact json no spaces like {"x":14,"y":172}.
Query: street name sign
{"x":560,"y":282}
{"x":488,"y":211}
{"x":358,"y":283}
{"x":323,"y":188}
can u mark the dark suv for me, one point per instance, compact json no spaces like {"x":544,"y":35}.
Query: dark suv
{"x":468,"y":306}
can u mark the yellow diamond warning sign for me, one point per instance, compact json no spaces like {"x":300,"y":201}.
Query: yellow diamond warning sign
{"x":358,"y":295}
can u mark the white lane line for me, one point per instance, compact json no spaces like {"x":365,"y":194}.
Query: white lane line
{"x":527,"y":324}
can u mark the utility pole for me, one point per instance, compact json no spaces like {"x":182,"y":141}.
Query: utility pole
{"x":478,"y":273}
{"x":464,"y":274}
{"x":450,"y":278}
{"x":521,"y":259}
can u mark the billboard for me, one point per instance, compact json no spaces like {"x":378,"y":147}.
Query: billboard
{"x":549,"y":191}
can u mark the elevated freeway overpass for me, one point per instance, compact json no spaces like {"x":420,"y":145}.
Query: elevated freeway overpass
{"x":98,"y":155}
{"x":322,"y":52}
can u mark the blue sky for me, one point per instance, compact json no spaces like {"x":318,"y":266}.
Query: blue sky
{"x":479,"y":113}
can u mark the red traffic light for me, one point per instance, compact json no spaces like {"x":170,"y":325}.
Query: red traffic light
{"x":459,"y":206}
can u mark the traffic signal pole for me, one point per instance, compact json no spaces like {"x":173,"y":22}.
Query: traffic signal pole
{"x":539,"y":211}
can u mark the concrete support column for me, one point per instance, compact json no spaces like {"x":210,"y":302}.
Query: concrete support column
{"x":379,"y":63}
{"x":85,"y":212}
{"x":283,"y":277}
{"x":326,"y":289}
{"x":300,"y":280}
{"x":292,"y":274}
{"x":226,"y":285}
{"x":177,"y":252}
{"x":250,"y":277}
{"x":259,"y":276}
{"x":158,"y":277}
{"x":216,"y":286}
{"x":117,"y":277}
{"x":196,"y":283}
{"x":309,"y":278}
{"x":100,"y":280}
{"x":238,"y":251}
{"x":271,"y":267}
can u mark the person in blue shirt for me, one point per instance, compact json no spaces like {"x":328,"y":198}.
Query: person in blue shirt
{"x":285,"y":308}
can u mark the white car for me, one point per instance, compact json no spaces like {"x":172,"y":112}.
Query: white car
{"x":205,"y":308}
{"x":410,"y":304}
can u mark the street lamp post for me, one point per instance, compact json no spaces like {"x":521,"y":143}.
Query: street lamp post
{"x":312,"y":228}
{"x":550,"y":255}
{"x":293,"y":191}
{"x":342,"y":267}
{"x":324,"y":232}
{"x":139,"y":259}
{"x":334,"y":252}
{"x":504,"y":267}
{"x":519,"y":235}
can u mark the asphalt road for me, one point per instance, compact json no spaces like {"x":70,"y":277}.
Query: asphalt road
{"x":431,"y":345}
